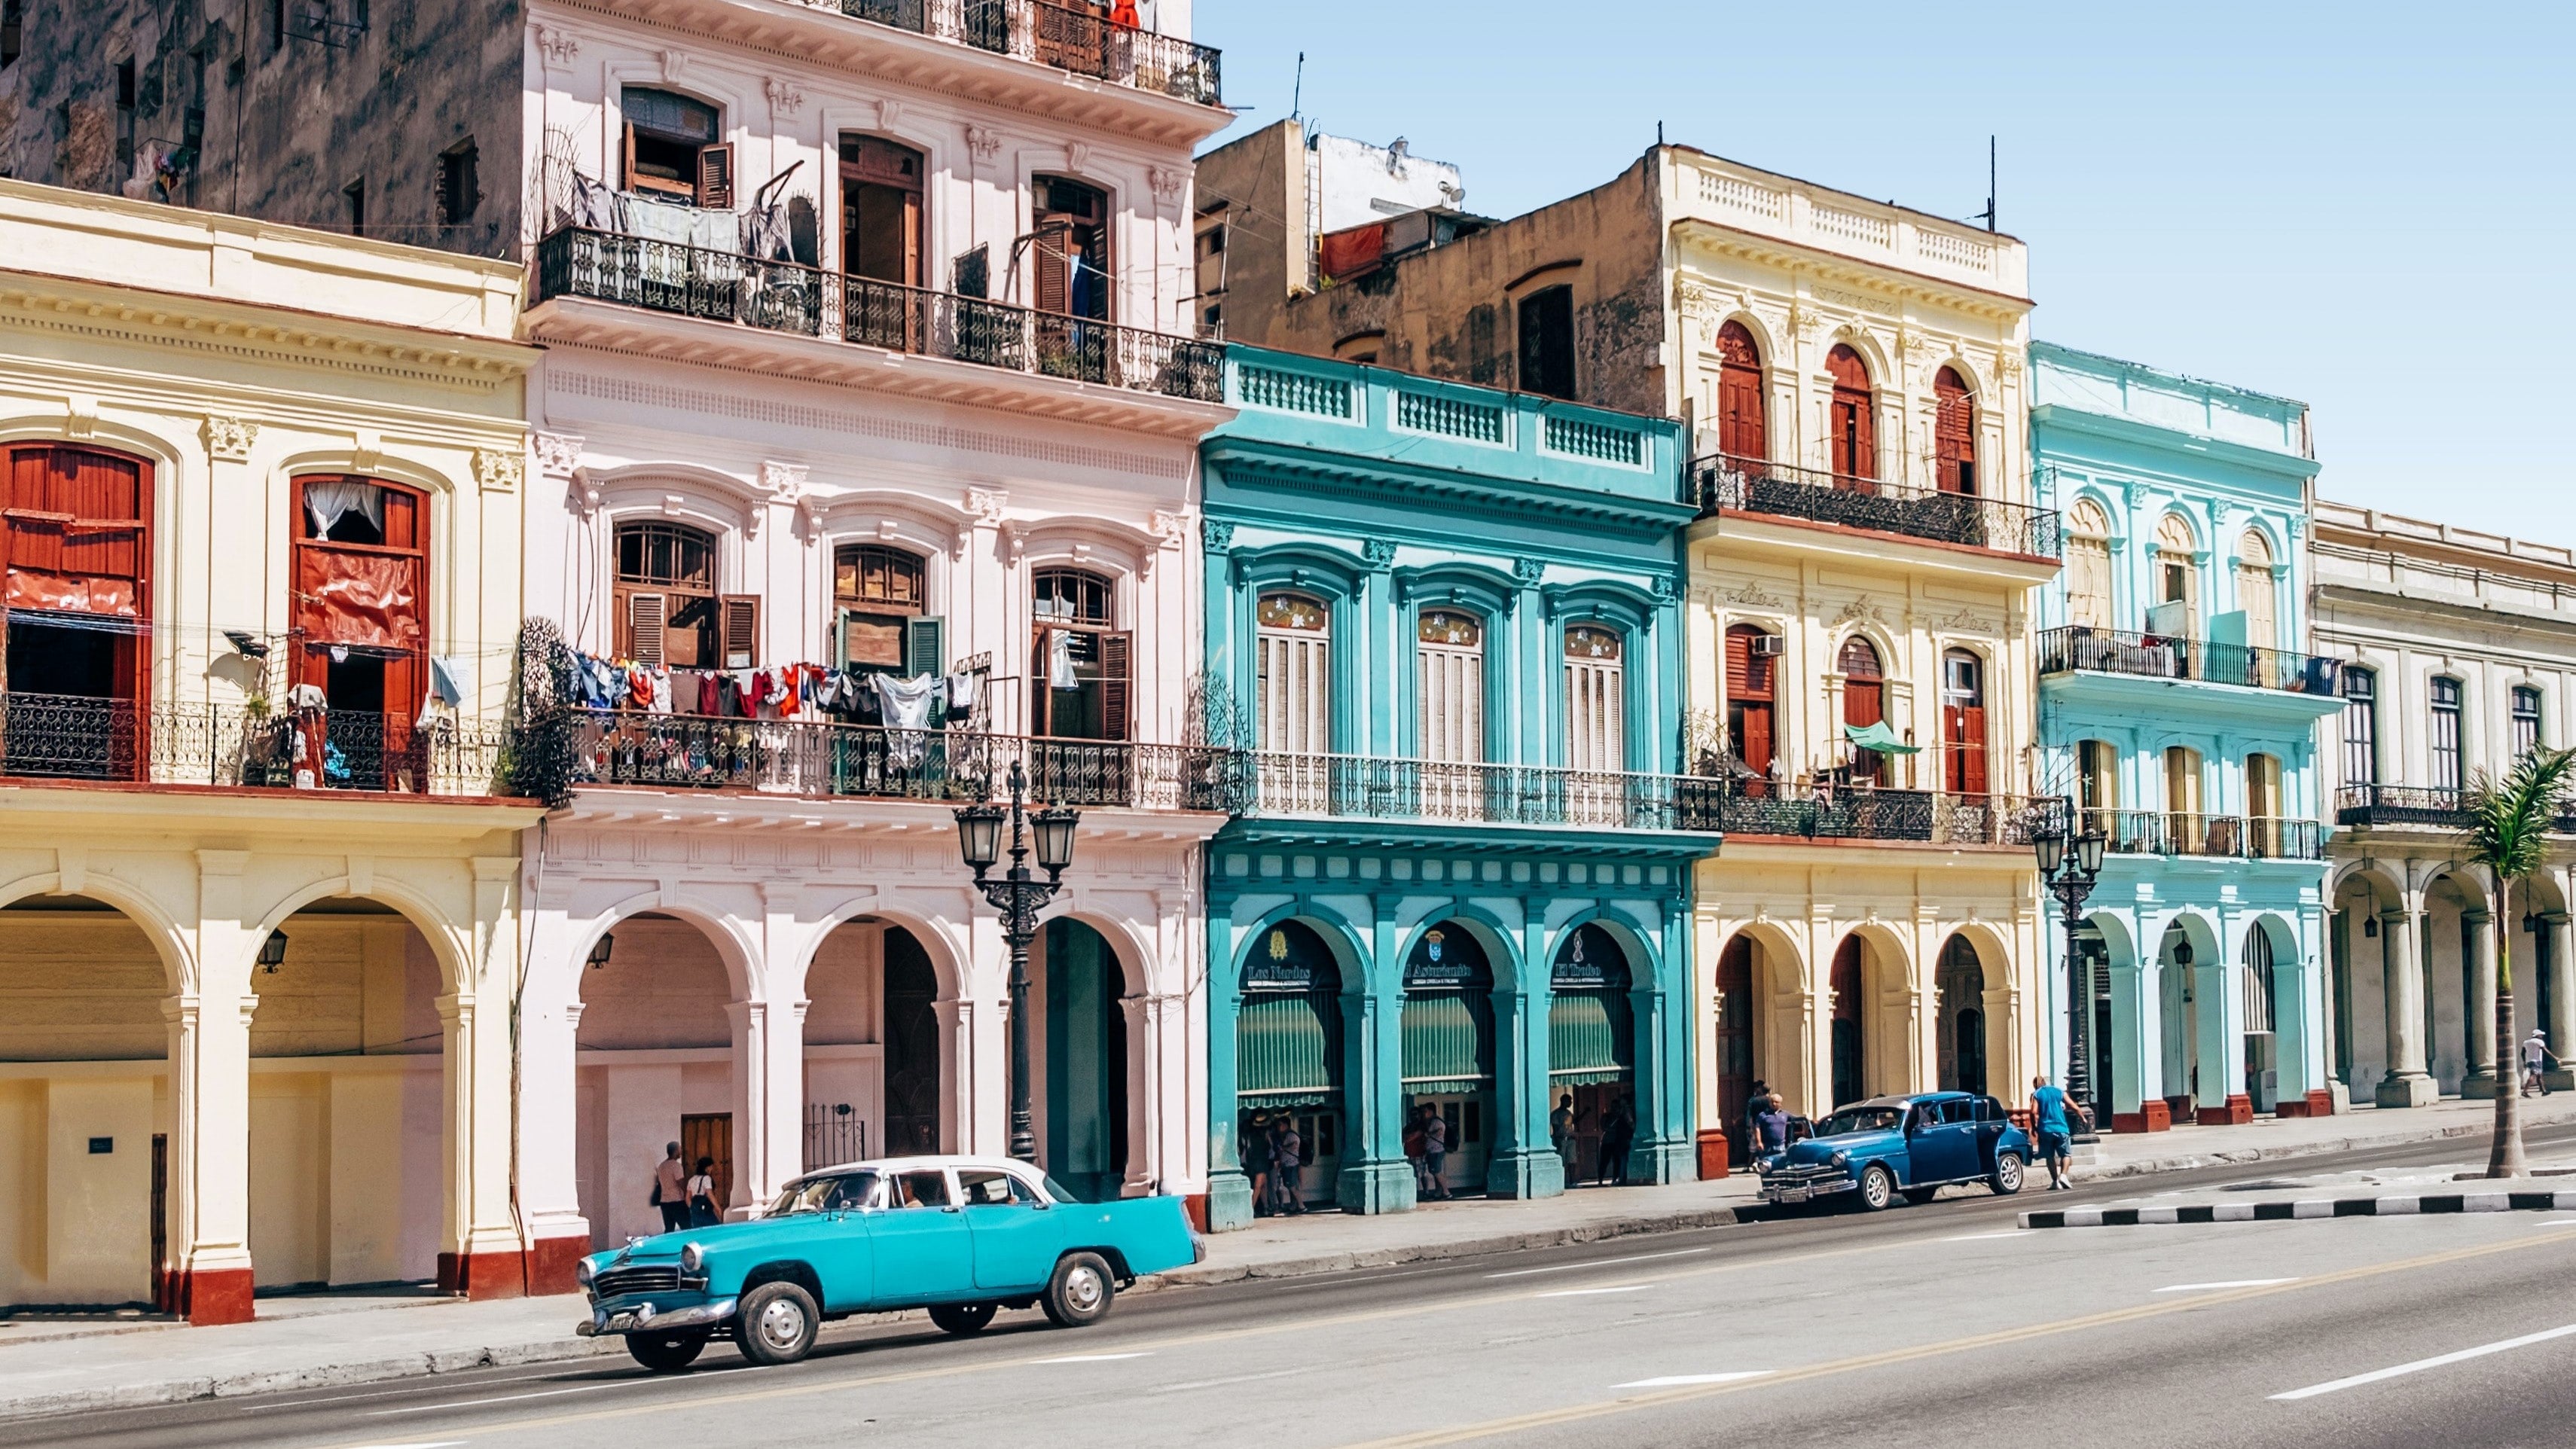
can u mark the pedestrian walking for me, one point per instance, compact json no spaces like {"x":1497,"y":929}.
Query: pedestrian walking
{"x":1618,"y":1130}
{"x":2052,"y":1125}
{"x":1416,"y":1142}
{"x":1258,"y":1161}
{"x":671,"y":1190}
{"x":703,"y":1212}
{"x":1287,"y":1154}
{"x":1770,"y":1126}
{"x":1753,"y":1104}
{"x":1435,"y":1152}
{"x":1560,"y":1130}
{"x":2536,"y":1061}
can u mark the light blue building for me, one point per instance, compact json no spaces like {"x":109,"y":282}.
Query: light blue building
{"x":2178,"y":709}
{"x":1442,"y":626}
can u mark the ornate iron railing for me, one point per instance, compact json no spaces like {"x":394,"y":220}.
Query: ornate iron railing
{"x":2367,"y":805}
{"x":1072,"y":38}
{"x":75,"y":737}
{"x":1374,"y":788}
{"x":2160,"y":656}
{"x":2179,"y":833}
{"x":1754,"y":485}
{"x":821,"y":759}
{"x":1761,"y":807}
{"x":786,"y":297}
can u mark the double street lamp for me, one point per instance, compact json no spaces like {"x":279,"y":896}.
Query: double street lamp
{"x":2069,"y":864}
{"x":1019,"y":897}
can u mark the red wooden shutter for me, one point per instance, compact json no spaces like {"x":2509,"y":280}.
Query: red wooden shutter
{"x":1117,"y":661}
{"x":738,"y":632}
{"x":1954,"y":433}
{"x":715,"y":177}
{"x":1855,"y":428}
{"x":1759,"y":749}
{"x":626,"y":176}
{"x":1740,"y":413}
{"x":1052,"y":264}
{"x":1963,"y":741}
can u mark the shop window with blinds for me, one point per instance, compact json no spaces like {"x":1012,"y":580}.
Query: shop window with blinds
{"x":667,"y":609}
{"x":2360,"y":725}
{"x":1595,"y":700}
{"x":2526,"y":720}
{"x":1742,"y":429}
{"x":1752,"y":659}
{"x":1083,"y":670}
{"x":880,"y":612}
{"x":672,"y":148}
{"x":1954,"y":433}
{"x":2088,"y":565}
{"x":1963,"y":723}
{"x":1293,"y":637}
{"x":1864,"y":703}
{"x":2444,"y":737}
{"x":1852,"y":420}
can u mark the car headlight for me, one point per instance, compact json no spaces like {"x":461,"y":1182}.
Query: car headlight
{"x":1841,"y":1159}
{"x":692,"y":1258}
{"x":583,"y":1273}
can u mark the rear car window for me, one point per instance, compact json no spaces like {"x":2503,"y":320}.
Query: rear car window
{"x":922,"y":1189}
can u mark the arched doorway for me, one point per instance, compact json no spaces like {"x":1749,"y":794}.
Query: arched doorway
{"x":1741,"y":433}
{"x":2262,"y":1020}
{"x":1854,"y":424}
{"x":1592,"y":1050}
{"x":1448,"y":1048}
{"x":871,"y":1047}
{"x":653,"y":1055}
{"x":83,"y":1061}
{"x":1864,"y":705}
{"x":1288,"y":1054}
{"x":2181,"y":1007}
{"x":1736,"y":1046}
{"x":1082,"y":1136}
{"x":1954,"y":433}
{"x":1850,"y":1013}
{"x":1961,"y":981}
{"x":911,"y":1025}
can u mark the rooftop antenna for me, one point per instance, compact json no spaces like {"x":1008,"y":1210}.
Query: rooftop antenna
{"x":1988,"y":215}
{"x":1297,"y":96}
{"x":1659,"y":135}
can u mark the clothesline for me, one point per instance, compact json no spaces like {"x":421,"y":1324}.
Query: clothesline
{"x":814,"y":692}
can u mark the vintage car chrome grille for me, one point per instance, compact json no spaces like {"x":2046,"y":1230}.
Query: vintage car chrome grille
{"x":1804,"y":1175}
{"x":618,"y":1282}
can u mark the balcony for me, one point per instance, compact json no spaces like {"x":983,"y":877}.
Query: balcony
{"x":792,"y":300}
{"x":2424,"y":807}
{"x":76,"y":737}
{"x":1359,"y":787}
{"x":823,"y":760}
{"x":2157,"y":656}
{"x":1926,"y":817}
{"x":1069,"y":38}
{"x":1732,"y":484}
{"x":2228,"y":837}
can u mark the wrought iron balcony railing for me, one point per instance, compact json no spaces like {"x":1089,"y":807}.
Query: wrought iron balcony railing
{"x":2158,"y":656}
{"x":1762,"y":807}
{"x":2172,"y":833}
{"x":785,"y":297}
{"x":2368,"y":805}
{"x":1371,"y":788}
{"x":76,"y":737}
{"x":821,"y":759}
{"x":1069,"y":37}
{"x":1753,"y":485}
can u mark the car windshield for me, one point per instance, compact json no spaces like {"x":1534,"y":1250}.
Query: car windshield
{"x":843,"y":1192}
{"x":1056,"y":1189}
{"x":1861,"y":1119}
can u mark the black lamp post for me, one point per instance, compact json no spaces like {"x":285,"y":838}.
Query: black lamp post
{"x":1019,"y":897}
{"x":2069,"y":865}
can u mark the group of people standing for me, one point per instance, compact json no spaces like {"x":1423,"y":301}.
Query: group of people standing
{"x":687,"y":1199}
{"x":1274,"y":1154}
{"x":1618,"y":1134}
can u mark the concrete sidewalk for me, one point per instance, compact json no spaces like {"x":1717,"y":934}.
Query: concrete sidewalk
{"x":55,"y":1365}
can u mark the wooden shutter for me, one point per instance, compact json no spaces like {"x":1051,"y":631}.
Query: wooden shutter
{"x":1117,"y":663}
{"x":1051,"y":265}
{"x":912,"y":240}
{"x":738,"y":634}
{"x":1596,"y":726}
{"x":1963,"y":730}
{"x":925,"y":647}
{"x":1740,"y":413}
{"x":1954,"y":433}
{"x":643,"y":621}
{"x":715,"y":176}
{"x":626,"y":174}
{"x":1759,"y":750}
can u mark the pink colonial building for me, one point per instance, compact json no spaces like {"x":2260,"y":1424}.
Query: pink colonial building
{"x":865,"y":471}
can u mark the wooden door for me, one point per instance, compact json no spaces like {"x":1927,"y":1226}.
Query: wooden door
{"x":710,"y":1134}
{"x":1864,"y":700}
{"x":1954,"y":433}
{"x":361,"y":621}
{"x":1741,"y":430}
{"x":1963,"y":723}
{"x":1735,"y":1045}
{"x":1850,"y":1025}
{"x":1854,"y":420}
{"x":1749,"y":703}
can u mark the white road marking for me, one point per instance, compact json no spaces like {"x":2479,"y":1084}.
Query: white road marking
{"x":1594,"y":1292}
{"x":1221,"y":1383}
{"x":1675,"y":1381}
{"x":433,"y":1444}
{"x":478,"y":1403}
{"x":1598,"y":1263}
{"x":1981,"y":1237}
{"x":2555,"y":1223}
{"x":1094,"y":1357}
{"x":2421,"y":1364}
{"x":2230,"y":1283}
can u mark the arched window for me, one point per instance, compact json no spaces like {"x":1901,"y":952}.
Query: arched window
{"x":1450,"y":665}
{"x":1741,"y":413}
{"x":1954,"y":432}
{"x":2177,"y":574}
{"x":2263,"y":805}
{"x":1963,"y":722}
{"x":2184,"y":824}
{"x":2526,"y":720}
{"x":361,"y":618}
{"x":2097,"y":785}
{"x":673,"y":148}
{"x":1295,"y":688}
{"x":2444,"y":738}
{"x":2088,"y":565}
{"x":879,"y":602}
{"x":1853,"y":421}
{"x":1864,"y":701}
{"x":1751,"y":654}
{"x":1596,"y":728}
{"x":1085,"y":668}
{"x":881,"y":221}
{"x":667,"y":607}
{"x":2256,"y":593}
{"x":2360,"y":726}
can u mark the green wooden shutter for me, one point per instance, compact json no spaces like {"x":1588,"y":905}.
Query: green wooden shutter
{"x":925,"y":647}
{"x":1287,"y":1049}
{"x":1448,"y":1041}
{"x":1591,"y":1037}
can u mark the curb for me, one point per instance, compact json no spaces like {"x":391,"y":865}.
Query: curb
{"x":227,"y":1386}
{"x":2148,"y":1167}
{"x":2304,"y":1209}
{"x":1666,"y":1222}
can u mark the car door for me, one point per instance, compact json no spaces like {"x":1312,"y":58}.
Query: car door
{"x":921,"y":1246}
{"x":836,"y":1242}
{"x":1016,"y":1233}
{"x":1943,"y":1142}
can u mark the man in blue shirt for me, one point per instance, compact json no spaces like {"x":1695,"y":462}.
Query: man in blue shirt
{"x":2052,"y":1125}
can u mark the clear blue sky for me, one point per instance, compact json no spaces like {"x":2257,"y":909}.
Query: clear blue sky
{"x":2315,"y":200}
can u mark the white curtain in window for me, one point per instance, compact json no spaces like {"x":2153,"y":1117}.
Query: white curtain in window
{"x":1453,"y":703}
{"x":328,"y":503}
{"x":1595,"y":724}
{"x":1296,"y":692}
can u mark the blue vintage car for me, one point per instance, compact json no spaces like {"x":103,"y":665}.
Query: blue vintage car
{"x":1913,"y":1146}
{"x":960,"y":1236}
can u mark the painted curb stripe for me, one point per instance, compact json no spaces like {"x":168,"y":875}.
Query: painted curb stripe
{"x":2305,"y":1209}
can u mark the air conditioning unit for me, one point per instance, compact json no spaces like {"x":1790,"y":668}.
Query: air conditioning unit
{"x":1768,"y":646}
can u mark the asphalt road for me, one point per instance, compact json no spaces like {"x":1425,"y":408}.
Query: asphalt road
{"x":1930,"y":1325}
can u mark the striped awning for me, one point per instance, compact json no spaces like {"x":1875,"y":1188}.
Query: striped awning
{"x":1288,"y":1046}
{"x":1448,"y":1042}
{"x":1591,"y":1037}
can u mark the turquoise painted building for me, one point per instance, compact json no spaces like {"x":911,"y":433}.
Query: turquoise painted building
{"x":1443,"y":629}
{"x":2178,"y":710}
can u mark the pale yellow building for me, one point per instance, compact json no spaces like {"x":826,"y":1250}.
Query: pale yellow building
{"x":258,"y":917}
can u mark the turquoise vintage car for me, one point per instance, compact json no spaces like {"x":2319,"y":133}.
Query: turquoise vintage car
{"x":960,"y":1236}
{"x":1887,"y":1146}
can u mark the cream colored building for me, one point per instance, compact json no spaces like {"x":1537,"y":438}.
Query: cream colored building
{"x":258,"y":891}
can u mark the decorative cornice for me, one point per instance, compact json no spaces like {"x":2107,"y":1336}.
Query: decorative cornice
{"x":784,"y":482}
{"x":984,"y":143}
{"x":239,"y":331}
{"x":1169,"y":529}
{"x":498,"y":470}
{"x":229,"y":440}
{"x":1168,"y":182}
{"x":986,"y":504}
{"x":786,"y":97}
{"x":557,"y":47}
{"x":558,"y":454}
{"x":1377,"y":553}
{"x":1528,"y":571}
{"x":1216,"y":535}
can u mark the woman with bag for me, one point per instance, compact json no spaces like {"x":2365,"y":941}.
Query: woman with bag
{"x":703,"y":1212}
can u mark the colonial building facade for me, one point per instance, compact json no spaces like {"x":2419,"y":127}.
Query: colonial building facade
{"x":259,"y":911}
{"x":2459,"y":654}
{"x":2179,"y":711}
{"x":1443,"y":626}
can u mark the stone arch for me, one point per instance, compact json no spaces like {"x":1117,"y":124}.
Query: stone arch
{"x":1136,"y":955}
{"x":744,"y":973}
{"x":1963,"y":1022}
{"x":1493,"y":937}
{"x":1349,"y":948}
{"x":450,"y":945}
{"x":1646,"y":964}
{"x":943,"y":941}
{"x":180,"y":969}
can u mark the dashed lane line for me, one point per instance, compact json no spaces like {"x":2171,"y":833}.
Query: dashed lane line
{"x":2421,"y":1364}
{"x":2230,"y":1283}
{"x":1597,"y":1263}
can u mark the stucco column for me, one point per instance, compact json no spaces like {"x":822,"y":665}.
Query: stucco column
{"x":751,"y":1104}
{"x":1666,"y":1149}
{"x":2478,"y":929}
{"x":2137,"y":1087}
{"x":475,"y":1026}
{"x":1229,"y":1194}
{"x":1520,"y":1163}
{"x":210,"y":1102}
{"x":1375,"y":1176}
{"x":956,"y":1020}
{"x":548,"y":1107}
{"x":1145,"y":1113}
{"x":2218,"y":1011}
{"x":2561,"y":1025}
{"x":2407,"y":1084}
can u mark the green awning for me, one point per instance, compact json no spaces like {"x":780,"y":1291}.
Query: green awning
{"x":1448,"y":1041}
{"x":1877,"y":736}
{"x":1591,"y":1038}
{"x":1288,"y":1042}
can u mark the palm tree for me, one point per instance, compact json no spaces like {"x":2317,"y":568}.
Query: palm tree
{"x":2509,"y":820}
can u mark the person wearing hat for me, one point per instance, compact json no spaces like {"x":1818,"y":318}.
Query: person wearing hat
{"x":2535,"y":1063}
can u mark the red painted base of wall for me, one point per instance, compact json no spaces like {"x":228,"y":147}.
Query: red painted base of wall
{"x":1194,"y":1204}
{"x":2238,"y":1111}
{"x":550,"y":1266}
{"x":1712,"y":1156}
{"x":2321,"y":1103}
{"x":213,"y":1296}
{"x":2314,"y":1104}
{"x":484,"y":1275}
{"x":2290,"y":1107}
{"x":2152,"y":1116}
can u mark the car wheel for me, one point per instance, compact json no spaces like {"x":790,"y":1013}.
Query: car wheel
{"x":2007,"y":1178}
{"x":962,"y":1318}
{"x":666,"y":1353}
{"x":1921,"y":1195}
{"x":1877,"y":1187}
{"x":1080,"y":1291}
{"x":776,"y":1324}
